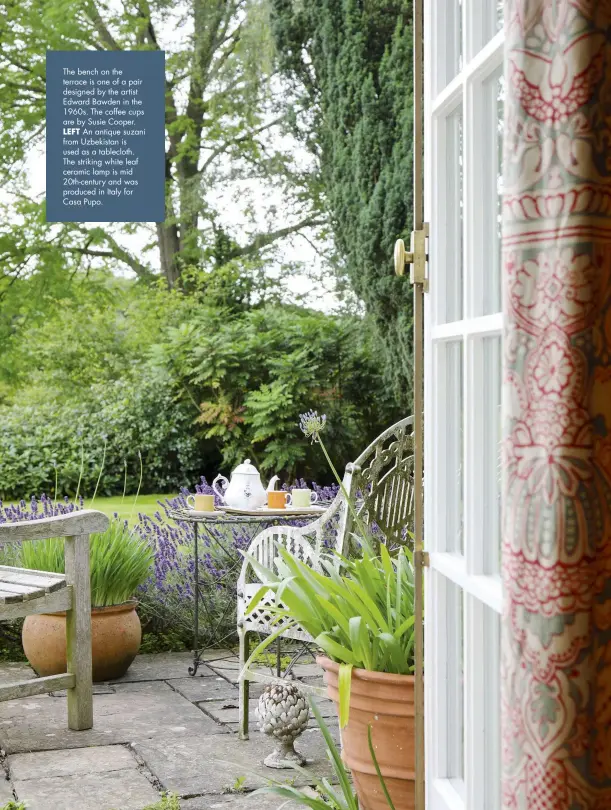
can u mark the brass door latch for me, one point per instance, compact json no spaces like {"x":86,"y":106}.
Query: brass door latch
{"x":417,"y":258}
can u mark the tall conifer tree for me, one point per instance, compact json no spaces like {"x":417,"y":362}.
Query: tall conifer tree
{"x":350,"y":62}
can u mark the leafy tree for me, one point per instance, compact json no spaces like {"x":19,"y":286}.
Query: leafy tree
{"x":251,"y":375}
{"x":224,"y":115}
{"x":62,"y":335}
{"x":350,"y":63}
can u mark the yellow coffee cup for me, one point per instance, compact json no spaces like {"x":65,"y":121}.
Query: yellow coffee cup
{"x":201,"y":503}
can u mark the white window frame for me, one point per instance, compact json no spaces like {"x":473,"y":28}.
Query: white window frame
{"x":450,"y":573}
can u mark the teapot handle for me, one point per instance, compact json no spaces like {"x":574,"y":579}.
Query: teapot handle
{"x":217,"y":490}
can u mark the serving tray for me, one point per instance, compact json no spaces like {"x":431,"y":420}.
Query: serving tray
{"x":266,"y":511}
{"x":199,"y":513}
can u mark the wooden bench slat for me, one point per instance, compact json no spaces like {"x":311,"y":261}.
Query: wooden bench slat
{"x":26,"y":591}
{"x":7,"y":598}
{"x":56,"y":602}
{"x":39,"y":579}
{"x":50,"y":574}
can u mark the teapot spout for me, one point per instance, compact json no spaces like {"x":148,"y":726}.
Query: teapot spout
{"x":272,"y":483}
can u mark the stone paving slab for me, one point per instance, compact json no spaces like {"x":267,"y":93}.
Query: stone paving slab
{"x":6,"y":791}
{"x":160,"y":667}
{"x":101,"y":759}
{"x":40,"y":724}
{"x":149,"y":687}
{"x":81,"y":779}
{"x":218,"y":653}
{"x":229,"y":660}
{"x":229,"y":669}
{"x":116,"y":790}
{"x":98,"y":689}
{"x":248,"y":801}
{"x":198,"y":690}
{"x":13,"y":671}
{"x":312,"y":680}
{"x":194,"y":766}
{"x":307,"y":671}
{"x":226,"y":711}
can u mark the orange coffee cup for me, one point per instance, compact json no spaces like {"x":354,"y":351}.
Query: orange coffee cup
{"x":276,"y":500}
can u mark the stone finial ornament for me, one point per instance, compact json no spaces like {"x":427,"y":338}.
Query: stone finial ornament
{"x":283,"y":713}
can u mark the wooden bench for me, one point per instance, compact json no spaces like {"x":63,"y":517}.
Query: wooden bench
{"x":24,"y":593}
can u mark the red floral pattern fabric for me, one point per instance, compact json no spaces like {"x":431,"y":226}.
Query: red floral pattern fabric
{"x":556,"y":649}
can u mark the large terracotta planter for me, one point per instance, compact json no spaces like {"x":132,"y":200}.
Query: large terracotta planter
{"x":386,"y":702}
{"x":116,"y":634}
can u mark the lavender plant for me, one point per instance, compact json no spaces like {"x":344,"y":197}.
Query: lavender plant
{"x":34,"y":509}
{"x":167,"y":596}
{"x":37,"y":508}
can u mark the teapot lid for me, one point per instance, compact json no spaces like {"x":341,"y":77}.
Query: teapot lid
{"x":246,"y":468}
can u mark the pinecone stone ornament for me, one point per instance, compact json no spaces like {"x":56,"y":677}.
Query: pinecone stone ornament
{"x":283,"y":713}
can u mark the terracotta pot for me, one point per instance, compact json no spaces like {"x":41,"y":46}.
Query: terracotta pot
{"x":116,"y":634}
{"x":386,"y":702}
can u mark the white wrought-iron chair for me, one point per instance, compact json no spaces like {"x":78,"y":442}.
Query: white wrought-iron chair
{"x":379,"y":484}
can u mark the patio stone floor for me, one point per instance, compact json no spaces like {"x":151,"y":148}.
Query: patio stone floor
{"x":156,"y":729}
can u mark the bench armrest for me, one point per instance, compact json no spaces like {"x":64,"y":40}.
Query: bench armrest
{"x":85,"y":521}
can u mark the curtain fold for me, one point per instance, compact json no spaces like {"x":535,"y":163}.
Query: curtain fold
{"x":556,"y":645}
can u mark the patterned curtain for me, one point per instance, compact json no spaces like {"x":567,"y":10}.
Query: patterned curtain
{"x":556,"y":648}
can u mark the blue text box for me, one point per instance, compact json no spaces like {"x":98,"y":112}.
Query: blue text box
{"x":105,"y":136}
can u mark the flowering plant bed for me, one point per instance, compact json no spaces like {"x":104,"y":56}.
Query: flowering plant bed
{"x":166,"y":597}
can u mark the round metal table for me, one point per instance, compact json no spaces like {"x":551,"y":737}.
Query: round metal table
{"x":211,"y":524}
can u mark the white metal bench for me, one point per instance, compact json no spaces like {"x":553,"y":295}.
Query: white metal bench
{"x":379,"y":484}
{"x":24,"y":593}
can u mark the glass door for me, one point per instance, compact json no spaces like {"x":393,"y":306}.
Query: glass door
{"x":463,"y":112}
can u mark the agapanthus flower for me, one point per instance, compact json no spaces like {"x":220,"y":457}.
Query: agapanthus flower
{"x":312,"y":424}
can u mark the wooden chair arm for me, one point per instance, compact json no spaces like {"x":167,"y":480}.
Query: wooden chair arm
{"x":84,"y":522}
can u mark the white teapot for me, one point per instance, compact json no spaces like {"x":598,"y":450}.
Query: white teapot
{"x":245,"y":490}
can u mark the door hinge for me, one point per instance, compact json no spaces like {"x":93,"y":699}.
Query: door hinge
{"x":424,"y":557}
{"x":417,"y":257}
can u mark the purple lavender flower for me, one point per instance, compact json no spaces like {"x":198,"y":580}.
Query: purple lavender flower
{"x":168,"y":594}
{"x":37,"y":509}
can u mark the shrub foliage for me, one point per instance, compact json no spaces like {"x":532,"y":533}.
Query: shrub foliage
{"x":187,"y":386}
{"x":41,"y":441}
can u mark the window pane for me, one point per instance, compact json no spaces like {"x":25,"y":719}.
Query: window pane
{"x":499,"y":14}
{"x":455,"y":684}
{"x":451,"y":460}
{"x":450,"y":55}
{"x":451,"y":293}
{"x":488,"y":22}
{"x":492,"y":190}
{"x":492,"y":708}
{"x":491,"y":436}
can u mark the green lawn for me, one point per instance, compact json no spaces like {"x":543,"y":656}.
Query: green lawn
{"x":125,"y":506}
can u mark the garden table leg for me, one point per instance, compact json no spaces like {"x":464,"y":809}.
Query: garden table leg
{"x":193,"y":669}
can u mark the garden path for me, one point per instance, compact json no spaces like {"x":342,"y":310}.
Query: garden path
{"x":157,"y":729}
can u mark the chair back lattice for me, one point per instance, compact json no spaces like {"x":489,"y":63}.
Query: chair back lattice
{"x":382,"y":485}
